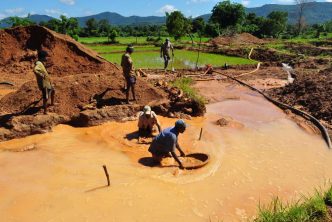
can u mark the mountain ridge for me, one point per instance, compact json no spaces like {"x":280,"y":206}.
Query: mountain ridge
{"x":316,"y":12}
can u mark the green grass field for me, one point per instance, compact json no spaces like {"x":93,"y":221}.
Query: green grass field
{"x":183,"y":59}
{"x":121,"y":48}
{"x":134,"y":40}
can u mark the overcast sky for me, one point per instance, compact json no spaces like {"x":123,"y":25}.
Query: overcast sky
{"x":76,"y":8}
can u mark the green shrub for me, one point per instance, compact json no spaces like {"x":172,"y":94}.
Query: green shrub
{"x":307,"y":210}
{"x":75,"y":37}
{"x":328,"y":197}
{"x":315,"y":207}
{"x":185,"y":84}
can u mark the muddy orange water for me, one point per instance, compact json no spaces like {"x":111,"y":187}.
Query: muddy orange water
{"x":62,"y":179}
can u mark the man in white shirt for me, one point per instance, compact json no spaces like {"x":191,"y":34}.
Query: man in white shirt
{"x":146,"y":120}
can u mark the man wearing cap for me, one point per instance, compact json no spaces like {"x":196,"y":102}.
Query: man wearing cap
{"x":43,"y":80}
{"x":165,"y":52}
{"x":146,"y":120}
{"x":127,"y":68}
{"x":167,"y":142}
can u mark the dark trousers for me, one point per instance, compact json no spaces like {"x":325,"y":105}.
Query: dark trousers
{"x":145,"y":132}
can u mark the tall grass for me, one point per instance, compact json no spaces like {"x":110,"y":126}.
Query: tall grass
{"x":185,"y":84}
{"x":308,"y":209}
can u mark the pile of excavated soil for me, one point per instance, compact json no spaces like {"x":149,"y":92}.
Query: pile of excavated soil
{"x":311,"y":92}
{"x":89,"y":90}
{"x":76,"y":91}
{"x":18,"y":53}
{"x":238,"y":39}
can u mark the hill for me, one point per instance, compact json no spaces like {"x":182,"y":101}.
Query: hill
{"x":117,"y":19}
{"x":35,"y":18}
{"x":316,"y":12}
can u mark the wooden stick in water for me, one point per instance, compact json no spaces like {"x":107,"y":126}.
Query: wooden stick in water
{"x":107,"y":175}
{"x":200,"y":135}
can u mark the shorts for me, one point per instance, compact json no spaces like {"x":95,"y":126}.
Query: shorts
{"x":153,"y":149}
{"x":130,"y":80}
{"x":167,"y":57}
{"x":47,"y":92}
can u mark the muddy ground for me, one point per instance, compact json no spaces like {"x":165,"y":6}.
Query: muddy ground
{"x":311,"y":93}
{"x":89,"y":90}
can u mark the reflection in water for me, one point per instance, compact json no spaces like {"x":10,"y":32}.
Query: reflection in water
{"x":62,"y":179}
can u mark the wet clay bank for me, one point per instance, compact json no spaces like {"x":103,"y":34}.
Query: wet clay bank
{"x":263,"y":155}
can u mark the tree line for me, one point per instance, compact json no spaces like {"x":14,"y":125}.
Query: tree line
{"x":227,"y":18}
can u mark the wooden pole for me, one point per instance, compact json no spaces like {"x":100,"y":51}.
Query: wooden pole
{"x":199,"y":50}
{"x":107,"y":175}
{"x":200,"y":135}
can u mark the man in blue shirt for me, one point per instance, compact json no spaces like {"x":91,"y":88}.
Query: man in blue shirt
{"x":167,"y":142}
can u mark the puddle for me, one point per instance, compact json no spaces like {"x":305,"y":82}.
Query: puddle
{"x":62,"y":179}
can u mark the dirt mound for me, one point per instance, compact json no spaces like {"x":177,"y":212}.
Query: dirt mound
{"x":311,"y":92}
{"x":18,"y":52}
{"x":238,"y":39}
{"x":74,"y":92}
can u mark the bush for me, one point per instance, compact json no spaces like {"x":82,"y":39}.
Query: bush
{"x":198,"y":102}
{"x":328,"y":197}
{"x":75,"y":37}
{"x":307,"y":210}
{"x":315,"y":207}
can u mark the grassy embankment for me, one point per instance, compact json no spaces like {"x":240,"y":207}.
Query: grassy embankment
{"x":134,"y":40}
{"x":185,"y":84}
{"x":285,"y":46}
{"x":315,"y":208}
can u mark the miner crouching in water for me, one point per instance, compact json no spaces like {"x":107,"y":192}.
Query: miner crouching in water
{"x":147,"y":119}
{"x":128,"y":72}
{"x":167,"y":142}
{"x":43,"y":80}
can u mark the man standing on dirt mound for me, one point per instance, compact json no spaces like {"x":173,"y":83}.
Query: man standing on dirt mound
{"x":43,"y":80}
{"x":128,"y":72}
{"x":165,"y":52}
{"x":167,"y":142}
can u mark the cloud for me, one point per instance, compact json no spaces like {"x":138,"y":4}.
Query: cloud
{"x":52,"y":12}
{"x":14,"y":11}
{"x":20,"y":12}
{"x":286,"y":1}
{"x":68,"y":2}
{"x":167,"y":8}
{"x":328,"y":0}
{"x":87,"y":13}
{"x":199,"y":1}
{"x":188,"y":2}
{"x":245,"y":2}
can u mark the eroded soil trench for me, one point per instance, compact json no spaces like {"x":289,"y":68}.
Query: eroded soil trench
{"x":258,"y":154}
